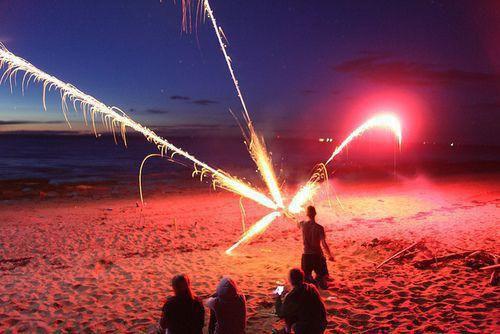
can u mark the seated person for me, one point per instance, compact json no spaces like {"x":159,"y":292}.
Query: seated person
{"x":302,"y":308}
{"x":227,"y":309}
{"x":183,"y":313}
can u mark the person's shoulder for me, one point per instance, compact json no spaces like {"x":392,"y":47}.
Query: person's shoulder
{"x":170,"y":300}
{"x":212,"y":302}
{"x":319,"y":226}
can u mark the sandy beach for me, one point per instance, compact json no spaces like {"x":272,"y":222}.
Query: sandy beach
{"x":90,"y":264}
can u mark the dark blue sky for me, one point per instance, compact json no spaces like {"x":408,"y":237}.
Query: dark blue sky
{"x":306,"y":67}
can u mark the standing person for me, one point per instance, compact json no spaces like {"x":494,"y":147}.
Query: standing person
{"x":227,"y":309}
{"x":182,"y":313}
{"x":313,"y":235}
{"x":302,"y":308}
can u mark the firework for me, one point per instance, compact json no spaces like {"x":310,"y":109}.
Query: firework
{"x":307,"y":192}
{"x":256,"y":146}
{"x":114,"y":118}
{"x":256,"y":229}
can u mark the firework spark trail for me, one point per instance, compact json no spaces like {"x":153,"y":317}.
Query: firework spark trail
{"x":380,"y":121}
{"x":307,"y":192}
{"x":256,"y":144}
{"x":256,"y":229}
{"x":262,"y":159}
{"x":113,"y":117}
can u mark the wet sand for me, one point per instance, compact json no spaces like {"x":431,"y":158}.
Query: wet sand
{"x":90,"y":264}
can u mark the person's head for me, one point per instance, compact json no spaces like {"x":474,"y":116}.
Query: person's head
{"x":181,"y":285}
{"x":311,"y":212}
{"x":296,"y":277}
{"x":227,"y":289}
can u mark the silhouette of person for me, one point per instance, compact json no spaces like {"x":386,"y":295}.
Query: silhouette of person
{"x":313,"y":235}
{"x":302,"y":308}
{"x":182,"y":313}
{"x":227,"y":309}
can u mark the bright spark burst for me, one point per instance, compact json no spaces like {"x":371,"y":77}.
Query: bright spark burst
{"x":258,"y":228}
{"x":256,"y":145}
{"x":307,"y":192}
{"x":380,"y":121}
{"x":113,"y":118}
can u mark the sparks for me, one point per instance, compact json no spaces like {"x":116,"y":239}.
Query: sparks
{"x":380,"y":121}
{"x":256,"y":146}
{"x":256,"y":229}
{"x":307,"y":192}
{"x":114,"y":118}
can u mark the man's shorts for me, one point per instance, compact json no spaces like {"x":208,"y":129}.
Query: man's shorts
{"x":316,"y":263}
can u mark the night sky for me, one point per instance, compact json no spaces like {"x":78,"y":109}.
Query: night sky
{"x":307,"y":68}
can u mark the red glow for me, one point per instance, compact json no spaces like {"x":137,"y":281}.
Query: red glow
{"x":407,"y":106}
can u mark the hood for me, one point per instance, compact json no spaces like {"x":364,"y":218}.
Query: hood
{"x":227,"y":289}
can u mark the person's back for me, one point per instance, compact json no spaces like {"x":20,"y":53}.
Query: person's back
{"x":302,"y":308}
{"x":312,"y":309}
{"x":182,"y":313}
{"x":312,"y":235}
{"x":228,"y":309}
{"x":314,"y":239}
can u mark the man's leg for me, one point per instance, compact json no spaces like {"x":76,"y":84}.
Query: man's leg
{"x":307,"y":267}
{"x":321,"y":270}
{"x":306,"y":328}
{"x":300,"y":328}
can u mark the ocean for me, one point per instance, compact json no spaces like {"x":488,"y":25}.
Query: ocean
{"x":80,"y":159}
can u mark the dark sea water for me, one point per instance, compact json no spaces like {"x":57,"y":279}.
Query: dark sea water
{"x":83,"y":159}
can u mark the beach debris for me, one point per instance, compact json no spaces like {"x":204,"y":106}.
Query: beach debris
{"x":492,"y":267}
{"x":398,"y":254}
{"x":479,"y":259}
{"x":11,"y":264}
{"x":494,"y":274}
{"x":427,"y":263}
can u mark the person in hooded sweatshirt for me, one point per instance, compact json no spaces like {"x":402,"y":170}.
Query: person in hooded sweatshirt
{"x":182,"y":313}
{"x":302,"y":308}
{"x":227,"y":309}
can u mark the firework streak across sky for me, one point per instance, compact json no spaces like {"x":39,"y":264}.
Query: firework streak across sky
{"x":115,"y":119}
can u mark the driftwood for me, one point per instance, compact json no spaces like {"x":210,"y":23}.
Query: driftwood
{"x":494,"y":274}
{"x":398,"y":254}
{"x":495,"y":266}
{"x":424,"y":264}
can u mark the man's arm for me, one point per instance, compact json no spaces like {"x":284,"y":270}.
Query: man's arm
{"x":200,"y":315}
{"x":288,"y":307}
{"x":299,"y":224}
{"x":164,"y":320}
{"x":326,"y":248}
{"x":278,"y":305}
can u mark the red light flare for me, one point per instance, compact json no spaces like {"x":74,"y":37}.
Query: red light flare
{"x":407,"y":106}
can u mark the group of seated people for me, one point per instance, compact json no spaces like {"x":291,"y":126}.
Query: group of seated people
{"x":184,"y":313}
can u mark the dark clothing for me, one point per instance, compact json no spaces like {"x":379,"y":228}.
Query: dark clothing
{"x":182,"y":315}
{"x":228,"y":309}
{"x":305,"y":328}
{"x":312,"y":235}
{"x":303,"y":309}
{"x":316,"y":263}
{"x":313,"y":259}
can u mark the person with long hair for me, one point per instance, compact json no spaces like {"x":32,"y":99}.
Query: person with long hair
{"x":182,"y":313}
